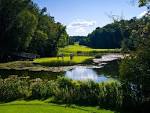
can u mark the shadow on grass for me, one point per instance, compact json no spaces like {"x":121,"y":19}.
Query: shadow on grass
{"x":42,"y":102}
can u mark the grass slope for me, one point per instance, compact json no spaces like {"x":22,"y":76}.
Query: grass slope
{"x":84,"y":49}
{"x":43,"y":107}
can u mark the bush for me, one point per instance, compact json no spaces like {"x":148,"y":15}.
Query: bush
{"x":98,"y":56}
{"x":62,"y":90}
{"x":107,"y":94}
{"x":110,"y":94}
{"x":13,"y":88}
{"x":40,"y":89}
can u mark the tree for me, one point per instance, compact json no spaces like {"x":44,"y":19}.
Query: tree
{"x":135,"y":69}
{"x":21,"y":34}
{"x":143,"y":2}
{"x":9,"y":10}
{"x":55,"y":32}
{"x":24,"y":27}
{"x":108,"y":36}
{"x":38,"y":43}
{"x":82,"y":40}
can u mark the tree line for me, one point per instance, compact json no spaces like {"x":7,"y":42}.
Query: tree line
{"x":107,"y":37}
{"x":24,"y":27}
{"x":118,"y":34}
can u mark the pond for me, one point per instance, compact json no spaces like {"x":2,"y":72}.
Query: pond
{"x":83,"y":73}
{"x":109,"y":71}
{"x":92,"y":72}
{"x":99,"y":70}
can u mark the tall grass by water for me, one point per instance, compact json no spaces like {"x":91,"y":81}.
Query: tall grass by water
{"x":63,"y":90}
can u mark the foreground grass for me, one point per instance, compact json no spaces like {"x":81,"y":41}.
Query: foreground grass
{"x":84,"y":49}
{"x":43,"y":107}
{"x":62,"y":62}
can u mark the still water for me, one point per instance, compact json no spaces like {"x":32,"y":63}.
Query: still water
{"x":83,"y":73}
{"x":109,"y":71}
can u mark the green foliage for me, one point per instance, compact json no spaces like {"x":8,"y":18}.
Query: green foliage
{"x":143,"y":2}
{"x":88,"y":93}
{"x":136,"y":32}
{"x":134,"y":70}
{"x":13,"y":88}
{"x":82,"y":40}
{"x":108,"y":37}
{"x":55,"y":36}
{"x":63,"y":90}
{"x":11,"y":12}
{"x":38,"y":43}
{"x":98,"y":56}
{"x":24,"y":27}
{"x":40,"y":89}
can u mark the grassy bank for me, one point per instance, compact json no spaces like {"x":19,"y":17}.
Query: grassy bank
{"x":79,"y":49}
{"x":43,"y":107}
{"x":62,"y":62}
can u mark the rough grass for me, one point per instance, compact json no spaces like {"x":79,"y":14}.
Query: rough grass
{"x":45,"y":64}
{"x":54,"y":61}
{"x":84,"y":49}
{"x":22,"y":65}
{"x":44,"y":107}
{"x":16,"y":64}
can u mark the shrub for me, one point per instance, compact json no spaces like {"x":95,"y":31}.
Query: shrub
{"x":107,"y":94}
{"x":40,"y":89}
{"x":98,"y":55}
{"x":63,"y":90}
{"x":110,"y":94}
{"x":13,"y":88}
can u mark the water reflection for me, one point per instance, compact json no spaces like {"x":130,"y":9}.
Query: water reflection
{"x":83,"y":73}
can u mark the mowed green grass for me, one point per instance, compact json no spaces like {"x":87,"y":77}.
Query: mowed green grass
{"x":43,"y":107}
{"x":84,"y":59}
{"x":54,"y":61}
{"x":79,"y":48}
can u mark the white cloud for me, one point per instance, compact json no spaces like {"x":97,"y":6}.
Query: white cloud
{"x":142,"y":14}
{"x":81,"y":23}
{"x":80,"y":27}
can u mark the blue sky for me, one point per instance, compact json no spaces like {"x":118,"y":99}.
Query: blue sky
{"x":83,"y":16}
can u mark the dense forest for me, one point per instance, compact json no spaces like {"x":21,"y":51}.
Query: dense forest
{"x":109,"y":36}
{"x":119,"y":34}
{"x":24,"y":27}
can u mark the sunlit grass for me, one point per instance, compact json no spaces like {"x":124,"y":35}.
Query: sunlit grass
{"x":55,"y":61}
{"x":43,"y":107}
{"x":84,"y":49}
{"x":51,"y":61}
{"x":76,"y":59}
